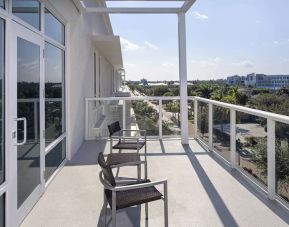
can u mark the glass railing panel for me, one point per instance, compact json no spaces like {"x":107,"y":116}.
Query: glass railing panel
{"x":221,"y":131}
{"x":143,"y":115}
{"x":251,"y":145}
{"x":191,"y":119}
{"x":282,"y":160}
{"x":203,"y":121}
{"x":171,"y":118}
{"x":101,"y":114}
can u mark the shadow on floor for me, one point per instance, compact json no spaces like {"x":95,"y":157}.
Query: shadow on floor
{"x":219,"y":205}
{"x":129,"y":217}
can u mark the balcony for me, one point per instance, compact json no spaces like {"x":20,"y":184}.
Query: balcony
{"x":217,"y":179}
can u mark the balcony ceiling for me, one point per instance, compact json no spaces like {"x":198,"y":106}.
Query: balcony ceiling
{"x":110,"y":48}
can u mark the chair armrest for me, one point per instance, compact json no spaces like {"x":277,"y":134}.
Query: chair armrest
{"x":137,"y":186}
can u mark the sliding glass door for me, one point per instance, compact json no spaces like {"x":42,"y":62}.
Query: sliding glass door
{"x":27,"y":110}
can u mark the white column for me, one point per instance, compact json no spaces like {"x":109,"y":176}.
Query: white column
{"x":183,"y":78}
{"x":271,"y":158}
{"x":233,"y":138}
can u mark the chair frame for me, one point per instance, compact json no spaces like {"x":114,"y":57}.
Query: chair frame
{"x":131,"y":187}
{"x":137,"y":138}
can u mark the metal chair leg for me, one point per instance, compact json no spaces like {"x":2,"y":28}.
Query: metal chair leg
{"x":113,"y":210}
{"x":105,"y":210}
{"x":147,"y":211}
{"x":139,"y":172}
{"x":166,"y":213}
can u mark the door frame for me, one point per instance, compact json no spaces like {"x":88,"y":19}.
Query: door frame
{"x":17,"y":215}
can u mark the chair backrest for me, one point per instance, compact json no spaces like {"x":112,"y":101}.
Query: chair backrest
{"x":114,"y":127}
{"x":106,"y":170}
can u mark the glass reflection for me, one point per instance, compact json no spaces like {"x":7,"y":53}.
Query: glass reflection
{"x":54,"y":158}
{"x":27,"y":10}
{"x":53,"y":27}
{"x":2,"y":71}
{"x":28,"y":77}
{"x":54,"y":93}
{"x":2,"y":4}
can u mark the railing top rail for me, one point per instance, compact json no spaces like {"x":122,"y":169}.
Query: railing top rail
{"x":134,"y":98}
{"x":243,"y":109}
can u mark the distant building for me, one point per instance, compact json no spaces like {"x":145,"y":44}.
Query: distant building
{"x":236,"y":80}
{"x":260,"y":81}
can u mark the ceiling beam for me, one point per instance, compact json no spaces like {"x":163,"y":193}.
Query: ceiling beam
{"x":187,"y":5}
{"x":146,"y":0}
{"x":79,"y":5}
{"x":130,"y":10}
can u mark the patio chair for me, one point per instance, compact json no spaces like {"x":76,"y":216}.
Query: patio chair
{"x":126,"y":142}
{"x":124,"y":196}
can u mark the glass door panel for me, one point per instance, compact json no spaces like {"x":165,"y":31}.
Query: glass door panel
{"x":28,"y":149}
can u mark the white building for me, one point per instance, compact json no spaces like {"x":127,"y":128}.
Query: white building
{"x":51,"y":57}
{"x":260,"y":81}
{"x":235,"y":80}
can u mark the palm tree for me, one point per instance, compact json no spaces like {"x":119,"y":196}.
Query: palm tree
{"x":204,"y":90}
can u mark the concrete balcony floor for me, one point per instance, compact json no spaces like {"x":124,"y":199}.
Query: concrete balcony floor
{"x":202,"y":191}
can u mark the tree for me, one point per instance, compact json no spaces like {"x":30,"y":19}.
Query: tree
{"x":259,"y":149}
{"x":204,"y":90}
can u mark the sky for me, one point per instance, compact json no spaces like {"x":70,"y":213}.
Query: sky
{"x":224,"y":38}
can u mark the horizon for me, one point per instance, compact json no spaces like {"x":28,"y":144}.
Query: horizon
{"x":227,"y":42}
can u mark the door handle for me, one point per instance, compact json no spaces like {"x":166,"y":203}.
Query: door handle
{"x":24,"y":130}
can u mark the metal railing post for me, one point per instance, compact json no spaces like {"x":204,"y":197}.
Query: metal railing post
{"x":196,"y":117}
{"x":233,"y":138}
{"x":124,"y":115}
{"x":86,"y":120}
{"x":160,"y":119}
{"x":271,"y":150}
{"x":210,"y":126}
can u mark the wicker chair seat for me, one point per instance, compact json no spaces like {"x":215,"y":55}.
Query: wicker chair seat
{"x":129,"y":145}
{"x":134,"y":197}
{"x":121,"y":158}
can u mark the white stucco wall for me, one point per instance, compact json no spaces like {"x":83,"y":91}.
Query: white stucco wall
{"x":80,"y":76}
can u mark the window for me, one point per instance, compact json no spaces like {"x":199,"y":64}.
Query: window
{"x":54,"y":93}
{"x":54,"y":28}
{"x":54,"y":158}
{"x":2,"y":211}
{"x":27,"y":10}
{"x":2,"y":104}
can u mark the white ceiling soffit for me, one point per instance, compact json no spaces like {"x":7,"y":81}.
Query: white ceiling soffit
{"x":186,"y":5}
{"x":109,"y":46}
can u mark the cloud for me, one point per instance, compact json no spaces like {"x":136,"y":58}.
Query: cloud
{"x":245,"y":64}
{"x":151,"y":46}
{"x":218,"y":60}
{"x":168,"y":64}
{"x":276,"y":43}
{"x":211,"y":62}
{"x":286,"y":60}
{"x":129,"y":65}
{"x":129,"y":46}
{"x":200,"y":16}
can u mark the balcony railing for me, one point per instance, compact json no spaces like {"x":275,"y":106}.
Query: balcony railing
{"x":160,"y":116}
{"x":251,"y":141}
